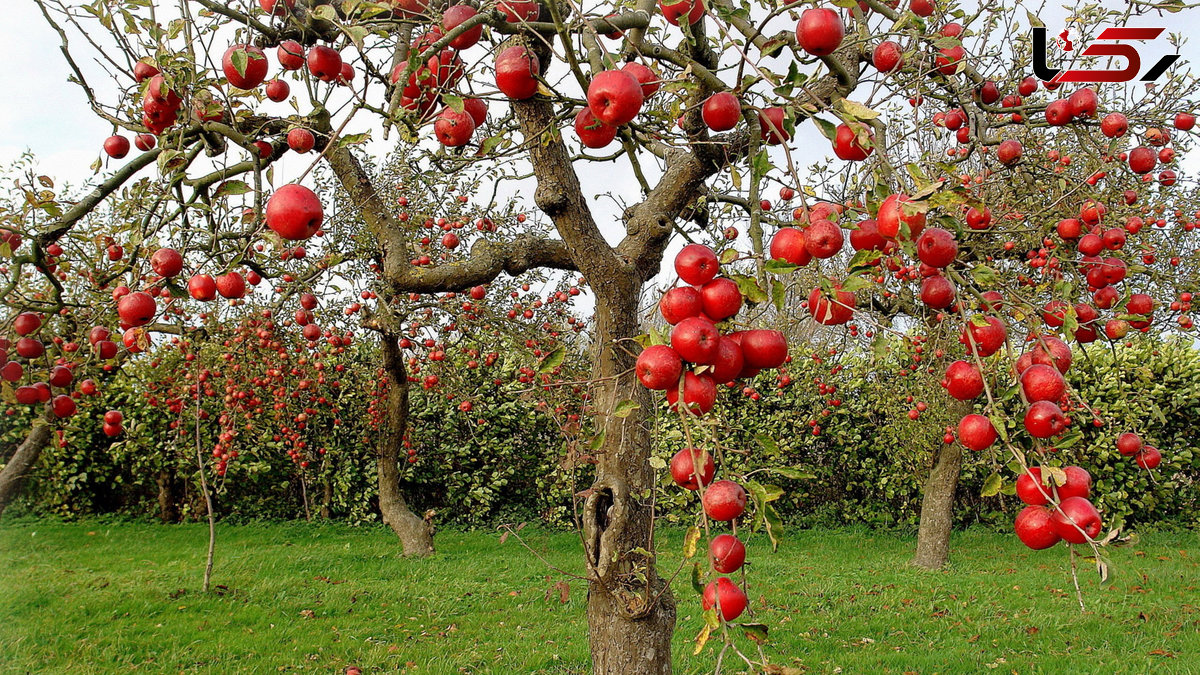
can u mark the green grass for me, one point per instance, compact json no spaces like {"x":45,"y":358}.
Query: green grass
{"x":100,"y":598}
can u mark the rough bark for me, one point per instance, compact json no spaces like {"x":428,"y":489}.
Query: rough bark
{"x":168,"y":497}
{"x":415,"y":533}
{"x":327,"y":499}
{"x":12,"y":478}
{"x":630,"y":622}
{"x":937,"y":508}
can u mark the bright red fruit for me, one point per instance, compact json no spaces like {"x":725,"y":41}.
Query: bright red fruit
{"x":692,"y":9}
{"x":720,"y":298}
{"x":1043,"y":383}
{"x":615,"y":97}
{"x":1129,"y":444}
{"x":830,"y":311}
{"x":659,"y":367}
{"x":1045,"y":419}
{"x":683,"y":468}
{"x":819,"y":31}
{"x":680,"y":303}
{"x":202,"y":287}
{"x":888,"y":56}
{"x":695,"y":339}
{"x":137,"y":309}
{"x":727,"y":596}
{"x":963,"y":381}
{"x":697,"y":264}
{"x":453,"y":17}
{"x":646,"y":77}
{"x":763,"y":348}
{"x":1075,"y":514}
{"x":516,"y":72}
{"x":727,"y":553}
{"x":290,"y":54}
{"x":301,"y":140}
{"x":895,"y":210}
{"x":1035,"y":529}
{"x":245,"y":66}
{"x":699,"y":393}
{"x":976,"y":432}
{"x":324,"y":63}
{"x":721,"y":111}
{"x":453,"y":129}
{"x":789,"y":245}
{"x":936,"y":247}
{"x":26,"y":323}
{"x":592,"y":132}
{"x":847,"y":146}
{"x":294,"y":212}
{"x":724,"y":500}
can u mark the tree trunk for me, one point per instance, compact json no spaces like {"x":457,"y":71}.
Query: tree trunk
{"x":416,"y":534}
{"x":12,"y":478}
{"x":630,"y":622}
{"x":327,"y":499}
{"x":937,"y":508}
{"x":168,"y":500}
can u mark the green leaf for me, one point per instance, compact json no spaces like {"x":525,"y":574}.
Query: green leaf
{"x":697,"y":579}
{"x":453,"y":102}
{"x":828,"y":130}
{"x":240,"y":60}
{"x":729,"y":255}
{"x":862,"y":260}
{"x":856,"y":282}
{"x":985,"y":276}
{"x":767,"y":443}
{"x":353,"y":139}
{"x":854,"y":109}
{"x":325,"y":12}
{"x":1000,"y":426}
{"x":552,"y":360}
{"x":779,"y":267}
{"x":749,"y":288}
{"x":991,"y":486}
{"x":778,"y":294}
{"x":597,"y":442}
{"x":232,"y":187}
{"x":625,"y":409}
{"x":789,"y":472}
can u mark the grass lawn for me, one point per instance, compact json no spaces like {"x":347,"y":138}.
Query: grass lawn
{"x":118,"y":598}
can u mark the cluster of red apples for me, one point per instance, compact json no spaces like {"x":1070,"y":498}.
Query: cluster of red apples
{"x":698,"y":358}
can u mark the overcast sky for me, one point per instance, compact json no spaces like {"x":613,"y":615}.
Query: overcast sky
{"x":40,"y":111}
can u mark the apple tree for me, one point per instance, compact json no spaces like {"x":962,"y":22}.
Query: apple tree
{"x":699,"y":106}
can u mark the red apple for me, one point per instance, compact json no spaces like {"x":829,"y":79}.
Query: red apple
{"x":729,"y":599}
{"x":721,"y":111}
{"x":727,"y":553}
{"x":819,"y":31}
{"x":245,"y":66}
{"x":1035,"y":529}
{"x":680,"y":303}
{"x":683,"y":468}
{"x":697,"y":264}
{"x":724,"y":500}
{"x":294,"y":212}
{"x":615,"y":97}
{"x":659,"y":367}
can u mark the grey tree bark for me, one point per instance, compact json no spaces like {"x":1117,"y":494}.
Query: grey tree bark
{"x":12,"y":478}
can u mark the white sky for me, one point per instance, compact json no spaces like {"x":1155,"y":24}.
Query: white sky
{"x":44,"y":113}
